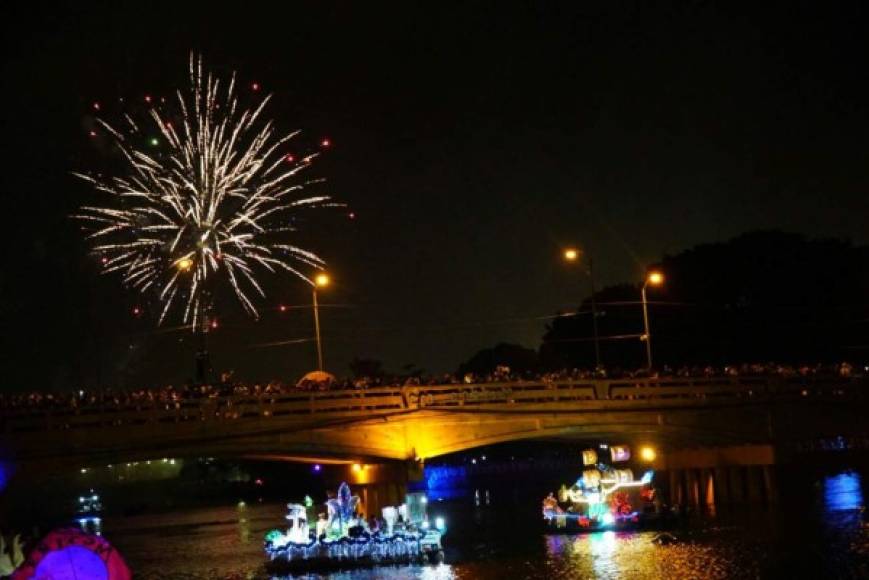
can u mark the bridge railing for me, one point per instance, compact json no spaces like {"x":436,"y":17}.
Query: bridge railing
{"x":234,"y":407}
{"x":675,"y":390}
{"x":549,"y":395}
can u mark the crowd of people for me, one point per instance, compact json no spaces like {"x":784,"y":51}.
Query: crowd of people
{"x":172,"y":396}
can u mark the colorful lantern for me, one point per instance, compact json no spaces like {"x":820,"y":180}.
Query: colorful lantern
{"x":623,"y":475}
{"x":591,"y":478}
{"x":620,"y":453}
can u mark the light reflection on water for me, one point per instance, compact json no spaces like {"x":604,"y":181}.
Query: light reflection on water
{"x":601,"y":545}
{"x":611,"y":555}
{"x":439,"y":572}
{"x":503,"y":541}
{"x":843,"y":492}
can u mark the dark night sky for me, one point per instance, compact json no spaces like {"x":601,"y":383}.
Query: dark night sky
{"x":472,"y":140}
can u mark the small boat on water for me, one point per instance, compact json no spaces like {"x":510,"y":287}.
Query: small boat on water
{"x":339,"y":537}
{"x":89,"y":512}
{"x":606,"y":496}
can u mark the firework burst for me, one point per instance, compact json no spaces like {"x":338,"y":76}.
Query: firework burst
{"x":208,"y":201}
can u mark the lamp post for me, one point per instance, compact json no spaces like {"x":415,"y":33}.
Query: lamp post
{"x":654,"y":278}
{"x":202,"y":359}
{"x":321,"y":280}
{"x":573,"y":255}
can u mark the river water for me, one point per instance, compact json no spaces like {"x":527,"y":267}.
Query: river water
{"x":820,"y":532}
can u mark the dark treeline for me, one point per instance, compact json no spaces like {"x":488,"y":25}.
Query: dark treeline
{"x":763,"y":296}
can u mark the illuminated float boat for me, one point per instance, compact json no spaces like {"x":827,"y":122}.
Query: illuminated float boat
{"x":89,"y":513}
{"x":340,"y":537}
{"x":604,"y":497}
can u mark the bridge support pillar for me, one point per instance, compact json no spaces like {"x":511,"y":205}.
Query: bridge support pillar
{"x":676,"y":494}
{"x":708,"y":488}
{"x":722,"y":489}
{"x":736,"y":480}
{"x":693,"y":487}
{"x":754,"y":483}
{"x":769,"y":484}
{"x":736,"y":474}
{"x":379,"y":485}
{"x":376,"y":496}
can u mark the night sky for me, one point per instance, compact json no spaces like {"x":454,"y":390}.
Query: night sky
{"x":472,"y":141}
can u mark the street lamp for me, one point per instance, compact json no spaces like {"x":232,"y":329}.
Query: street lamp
{"x":573,"y":255}
{"x":653,"y":278}
{"x":204,"y":323}
{"x":321,"y":280}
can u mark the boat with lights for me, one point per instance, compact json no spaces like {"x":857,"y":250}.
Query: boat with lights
{"x":607,"y":496}
{"x":89,"y":511}
{"x":335,"y":535}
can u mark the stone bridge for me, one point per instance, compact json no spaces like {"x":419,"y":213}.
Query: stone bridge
{"x":413,"y":423}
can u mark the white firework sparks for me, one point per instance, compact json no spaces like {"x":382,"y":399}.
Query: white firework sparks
{"x":214,"y":202}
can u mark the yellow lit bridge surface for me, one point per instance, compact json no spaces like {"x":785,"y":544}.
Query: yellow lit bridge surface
{"x":420,"y":422}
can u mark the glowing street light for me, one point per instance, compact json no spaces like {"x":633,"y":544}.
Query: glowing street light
{"x":653,"y":278}
{"x":648,"y":454}
{"x":184,"y":264}
{"x":321,"y":280}
{"x":573,"y":255}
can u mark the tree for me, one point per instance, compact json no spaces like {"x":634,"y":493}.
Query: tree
{"x":762,"y":296}
{"x":366,"y":368}
{"x":518,"y":358}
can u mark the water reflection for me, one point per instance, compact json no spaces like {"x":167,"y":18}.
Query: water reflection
{"x":843,"y":492}
{"x":244,"y":530}
{"x":438,"y":572}
{"x":602,"y":546}
{"x":91,"y":525}
{"x":505,"y":541}
{"x":612,"y":555}
{"x":597,"y":554}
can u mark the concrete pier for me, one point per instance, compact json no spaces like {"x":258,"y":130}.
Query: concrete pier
{"x":720,"y":475}
{"x":378,"y":485}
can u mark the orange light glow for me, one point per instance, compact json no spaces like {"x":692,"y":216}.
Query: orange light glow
{"x":322,"y":280}
{"x":571,"y":254}
{"x":647,"y":454}
{"x":655,"y":278}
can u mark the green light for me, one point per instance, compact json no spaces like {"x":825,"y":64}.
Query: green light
{"x":154,"y":141}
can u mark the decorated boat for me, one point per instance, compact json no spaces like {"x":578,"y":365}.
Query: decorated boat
{"x":337,"y":535}
{"x":89,"y":512}
{"x":606,"y":496}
